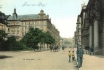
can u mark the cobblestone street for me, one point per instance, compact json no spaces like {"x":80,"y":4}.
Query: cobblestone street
{"x":30,"y":60}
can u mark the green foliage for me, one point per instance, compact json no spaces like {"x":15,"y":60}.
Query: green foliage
{"x":2,"y":35}
{"x":29,"y":41}
{"x":35,"y":36}
{"x":11,"y":42}
{"x":3,"y":17}
{"x":49,"y":39}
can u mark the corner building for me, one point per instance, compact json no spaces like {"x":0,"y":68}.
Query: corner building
{"x":19,"y":25}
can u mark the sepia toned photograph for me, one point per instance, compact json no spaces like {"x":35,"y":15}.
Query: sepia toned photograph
{"x":51,"y":35}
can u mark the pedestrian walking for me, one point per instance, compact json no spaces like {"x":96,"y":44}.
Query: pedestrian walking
{"x":89,"y":51}
{"x":63,"y":47}
{"x":92,"y":51}
{"x":51,"y":47}
{"x":80,"y":56}
{"x":69,"y":54}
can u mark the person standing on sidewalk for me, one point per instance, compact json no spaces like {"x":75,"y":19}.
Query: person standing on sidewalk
{"x":73,"y":57}
{"x":51,"y":47}
{"x":92,"y":51}
{"x":80,"y":56}
{"x":69,"y":54}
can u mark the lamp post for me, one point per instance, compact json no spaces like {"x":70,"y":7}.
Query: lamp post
{"x":77,"y":34}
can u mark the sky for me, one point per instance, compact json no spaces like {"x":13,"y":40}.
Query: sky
{"x":63,"y":13}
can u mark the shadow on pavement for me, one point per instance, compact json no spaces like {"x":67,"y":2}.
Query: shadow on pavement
{"x":4,"y":56}
{"x":75,"y":63}
{"x":76,"y":67}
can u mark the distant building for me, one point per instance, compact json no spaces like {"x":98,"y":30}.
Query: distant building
{"x":19,"y":25}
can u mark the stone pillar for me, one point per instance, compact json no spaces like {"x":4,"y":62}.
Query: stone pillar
{"x":90,"y":35}
{"x":96,"y":36}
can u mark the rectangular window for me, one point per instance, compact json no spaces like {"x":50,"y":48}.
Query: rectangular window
{"x":17,"y":31}
{"x":17,"y":27}
{"x":27,"y":23}
{"x":8,"y":29}
{"x":12,"y":30}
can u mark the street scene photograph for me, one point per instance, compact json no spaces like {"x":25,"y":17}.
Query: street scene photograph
{"x":51,"y":34}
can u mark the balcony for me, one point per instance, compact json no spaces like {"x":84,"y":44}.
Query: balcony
{"x":13,"y":25}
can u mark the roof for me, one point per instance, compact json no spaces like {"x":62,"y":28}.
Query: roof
{"x":30,"y":16}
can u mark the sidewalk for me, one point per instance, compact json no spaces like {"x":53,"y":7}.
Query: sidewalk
{"x":92,"y":62}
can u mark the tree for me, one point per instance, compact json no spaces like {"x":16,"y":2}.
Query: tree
{"x":32,"y":38}
{"x":2,"y":36}
{"x":11,"y":43}
{"x":42,"y":39}
{"x":49,"y":39}
{"x":35,"y":36}
{"x":3,"y":18}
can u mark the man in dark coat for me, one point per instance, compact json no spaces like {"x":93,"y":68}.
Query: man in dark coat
{"x":80,"y":56}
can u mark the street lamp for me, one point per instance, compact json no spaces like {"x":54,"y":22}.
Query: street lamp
{"x":77,"y":33}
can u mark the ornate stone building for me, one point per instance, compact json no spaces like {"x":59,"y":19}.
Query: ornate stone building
{"x":19,"y":25}
{"x":75,"y":38}
{"x":78,"y":31}
{"x":2,"y":27}
{"x":92,"y":25}
{"x":3,"y":21}
{"x":84,"y":29}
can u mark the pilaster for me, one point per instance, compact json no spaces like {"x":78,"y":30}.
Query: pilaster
{"x":97,"y":50}
{"x":90,"y":35}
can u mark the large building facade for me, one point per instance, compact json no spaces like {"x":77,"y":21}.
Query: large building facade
{"x":78,"y":32}
{"x":19,"y":25}
{"x":92,"y":25}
